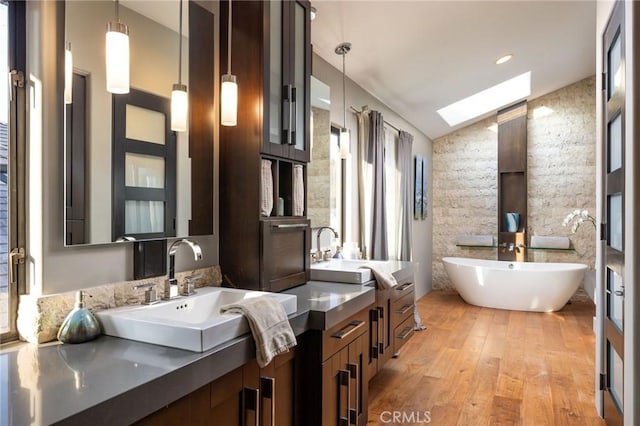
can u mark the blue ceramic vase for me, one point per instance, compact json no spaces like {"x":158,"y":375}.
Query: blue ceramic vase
{"x":80,"y":325}
{"x":512,"y":221}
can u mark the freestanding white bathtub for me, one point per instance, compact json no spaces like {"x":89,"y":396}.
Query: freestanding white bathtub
{"x":520,"y":286}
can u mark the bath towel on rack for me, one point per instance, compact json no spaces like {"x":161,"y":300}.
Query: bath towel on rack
{"x":266,"y":204}
{"x":298,"y":190}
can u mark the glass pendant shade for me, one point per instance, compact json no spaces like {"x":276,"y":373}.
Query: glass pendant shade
{"x":179,"y":108}
{"x":229,"y":100}
{"x":345,"y":142}
{"x":117,"y":49}
{"x":68,"y":74}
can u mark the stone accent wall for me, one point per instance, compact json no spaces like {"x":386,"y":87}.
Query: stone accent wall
{"x":39,"y":317}
{"x":561,"y":145}
{"x":318,"y":171}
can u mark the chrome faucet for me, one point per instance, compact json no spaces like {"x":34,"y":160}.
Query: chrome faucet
{"x":319,"y":232}
{"x":171,"y":284}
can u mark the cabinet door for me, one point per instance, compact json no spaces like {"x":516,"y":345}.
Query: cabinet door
{"x":225,"y":402}
{"x":336,"y":389}
{"x":192,"y":409}
{"x":300,"y":72}
{"x":285,"y":253}
{"x":276,"y":138}
{"x":359,"y":390}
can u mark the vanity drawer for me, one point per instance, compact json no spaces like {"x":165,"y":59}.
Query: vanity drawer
{"x":343,"y":333}
{"x":402,"y":308}
{"x":402,"y":333}
{"x":402,"y":289}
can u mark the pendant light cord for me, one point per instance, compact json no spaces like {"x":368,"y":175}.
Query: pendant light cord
{"x":229,"y":42}
{"x":180,"y":47}
{"x":344,"y":93}
{"x":117,"y":11}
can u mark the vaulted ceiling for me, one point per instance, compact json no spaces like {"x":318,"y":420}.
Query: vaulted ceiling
{"x":419,"y":56}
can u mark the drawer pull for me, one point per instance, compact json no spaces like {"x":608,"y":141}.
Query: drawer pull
{"x":353,"y":412}
{"x":344,"y":381}
{"x":251,"y":404}
{"x":268,"y":386}
{"x":403,"y":287}
{"x":405,"y":333}
{"x":354,"y":325}
{"x":406,"y":308}
{"x":290,"y":225}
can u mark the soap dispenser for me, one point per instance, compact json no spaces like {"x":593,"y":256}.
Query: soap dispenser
{"x":80,"y":325}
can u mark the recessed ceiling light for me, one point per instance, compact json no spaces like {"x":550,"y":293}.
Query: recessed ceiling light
{"x":487,"y":100}
{"x":504,"y":59}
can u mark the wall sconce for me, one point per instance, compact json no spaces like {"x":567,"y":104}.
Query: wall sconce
{"x":179,"y":97}
{"x":117,"y":49}
{"x":229,"y":89}
{"x":68,"y":74}
{"x":345,"y":138}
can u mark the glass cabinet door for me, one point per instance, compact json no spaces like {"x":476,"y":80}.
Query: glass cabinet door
{"x":276,"y":78}
{"x":300,"y":80}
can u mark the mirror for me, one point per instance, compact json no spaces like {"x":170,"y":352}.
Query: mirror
{"x":325,"y":171}
{"x":127,"y":175}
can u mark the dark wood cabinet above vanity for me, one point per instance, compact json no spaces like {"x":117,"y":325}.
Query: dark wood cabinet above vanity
{"x":266,"y":248}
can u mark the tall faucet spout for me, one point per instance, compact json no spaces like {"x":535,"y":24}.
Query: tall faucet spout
{"x":171,"y":283}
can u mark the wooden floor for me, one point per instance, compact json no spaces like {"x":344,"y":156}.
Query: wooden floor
{"x":481,"y":366}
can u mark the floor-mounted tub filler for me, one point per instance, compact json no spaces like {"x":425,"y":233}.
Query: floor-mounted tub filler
{"x":521,"y":286}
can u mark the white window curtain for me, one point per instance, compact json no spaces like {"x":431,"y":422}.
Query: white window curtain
{"x":393,"y":196}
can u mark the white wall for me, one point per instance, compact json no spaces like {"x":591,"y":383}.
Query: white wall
{"x":358,"y":97}
{"x":52,"y":268}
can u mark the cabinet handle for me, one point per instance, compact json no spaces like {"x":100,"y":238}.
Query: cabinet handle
{"x":353,"y":374}
{"x":286,"y":114}
{"x":290,"y":225}
{"x":381,"y":331}
{"x":406,"y":308}
{"x":405,"y":333}
{"x":294,"y":119}
{"x":354,"y":325}
{"x":268,"y":386}
{"x":252,"y":404}
{"x":403,"y":286}
{"x":344,"y":381}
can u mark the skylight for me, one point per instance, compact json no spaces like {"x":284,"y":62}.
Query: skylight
{"x":488,"y":100}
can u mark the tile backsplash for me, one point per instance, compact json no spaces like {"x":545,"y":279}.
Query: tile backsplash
{"x":39,"y":317}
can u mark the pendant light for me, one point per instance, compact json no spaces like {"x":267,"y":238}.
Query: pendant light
{"x":229,"y":90}
{"x":179,"y":97}
{"x":117,"y":49}
{"x":68,"y":74}
{"x":342,"y":49}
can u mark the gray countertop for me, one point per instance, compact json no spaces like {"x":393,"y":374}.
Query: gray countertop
{"x":116,"y":381}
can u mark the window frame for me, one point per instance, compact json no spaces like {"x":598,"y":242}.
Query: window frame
{"x":17,"y":159}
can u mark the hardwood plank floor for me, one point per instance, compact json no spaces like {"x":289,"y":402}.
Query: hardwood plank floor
{"x":481,"y":366}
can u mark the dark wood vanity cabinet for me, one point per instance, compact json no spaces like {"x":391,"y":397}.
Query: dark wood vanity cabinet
{"x":402,"y":319}
{"x":333,"y":387}
{"x":248,"y":395}
{"x":380,"y":330}
{"x":271,"y":57}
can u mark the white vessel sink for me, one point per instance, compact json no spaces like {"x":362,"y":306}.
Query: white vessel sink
{"x":193,"y":322}
{"x":341,"y":271}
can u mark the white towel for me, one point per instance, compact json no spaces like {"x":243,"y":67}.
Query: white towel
{"x":266,"y":205}
{"x":384,"y":279}
{"x":269,"y":325}
{"x":475,"y":240}
{"x":550,"y":242}
{"x":298,"y":190}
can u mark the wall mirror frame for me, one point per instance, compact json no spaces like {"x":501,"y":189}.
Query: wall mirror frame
{"x":127,"y":175}
{"x":326,"y":169}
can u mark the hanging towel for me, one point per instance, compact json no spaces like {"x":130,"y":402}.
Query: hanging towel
{"x":269,"y":325}
{"x":298,"y":190}
{"x":384,"y":279}
{"x":550,"y":242}
{"x":266,"y":205}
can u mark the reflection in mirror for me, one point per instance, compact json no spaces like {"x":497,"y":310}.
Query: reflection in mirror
{"x":324,"y":203}
{"x":91,"y":172}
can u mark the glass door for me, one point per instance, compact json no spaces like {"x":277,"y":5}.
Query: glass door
{"x":12,"y":170}
{"x":613,"y":215}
